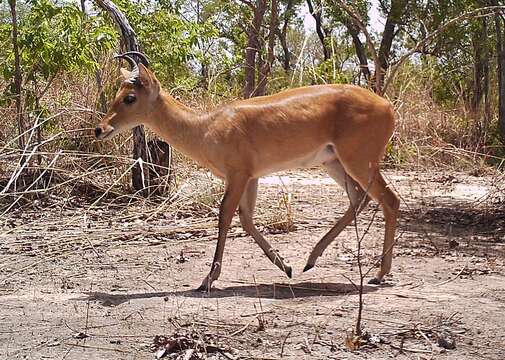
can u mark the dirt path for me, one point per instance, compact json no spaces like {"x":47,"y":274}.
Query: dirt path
{"x":104,"y":284}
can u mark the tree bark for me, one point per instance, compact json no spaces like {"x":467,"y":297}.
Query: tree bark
{"x":500,"y":50}
{"x":386,"y":42}
{"x":320,"y":30}
{"x":18,"y":78}
{"x":282,"y":35}
{"x":253,"y":47}
{"x":480,"y":104}
{"x":360,"y":51}
{"x":140,"y":175}
{"x":393,"y":18}
{"x":478,"y":42}
{"x":267,"y":66}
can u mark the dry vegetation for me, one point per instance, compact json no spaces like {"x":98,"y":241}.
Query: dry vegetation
{"x":91,"y":270}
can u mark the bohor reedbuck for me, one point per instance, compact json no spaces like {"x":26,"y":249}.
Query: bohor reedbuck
{"x":344,"y":128}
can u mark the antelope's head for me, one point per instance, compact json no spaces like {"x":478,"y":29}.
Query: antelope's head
{"x":134,"y":100}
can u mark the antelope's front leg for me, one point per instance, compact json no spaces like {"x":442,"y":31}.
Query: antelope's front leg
{"x":235,"y":186}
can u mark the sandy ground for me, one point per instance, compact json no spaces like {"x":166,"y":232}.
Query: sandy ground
{"x":101,"y":283}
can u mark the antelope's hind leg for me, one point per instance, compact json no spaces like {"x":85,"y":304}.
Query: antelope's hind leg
{"x":357,"y":201}
{"x":367,"y":174}
{"x":246,"y":210}
{"x":390,"y":203}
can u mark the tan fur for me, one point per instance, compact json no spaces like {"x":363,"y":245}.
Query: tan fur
{"x":343,"y":127}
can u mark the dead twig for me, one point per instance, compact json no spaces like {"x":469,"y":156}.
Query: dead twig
{"x":97,"y":347}
{"x":284,"y":343}
{"x":401,"y":348}
{"x":243,"y":328}
{"x":454,"y":277}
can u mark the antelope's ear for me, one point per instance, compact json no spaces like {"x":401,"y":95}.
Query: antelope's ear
{"x":148,"y":80}
{"x":125,"y":74}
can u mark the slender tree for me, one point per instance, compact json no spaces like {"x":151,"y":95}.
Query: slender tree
{"x":18,"y":77}
{"x":321,"y":31}
{"x":500,"y":50}
{"x":282,"y":32}
{"x":139,"y":172}
{"x":394,"y":13}
{"x":252,"y":50}
{"x":266,"y":68}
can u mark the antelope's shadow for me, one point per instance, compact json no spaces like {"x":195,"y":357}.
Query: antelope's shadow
{"x":265,"y":291}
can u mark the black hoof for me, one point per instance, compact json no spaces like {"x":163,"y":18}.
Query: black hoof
{"x":374,"y":281}
{"x":308,"y":267}
{"x":203,"y":289}
{"x":289,"y":272}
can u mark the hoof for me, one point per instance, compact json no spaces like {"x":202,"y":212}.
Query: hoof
{"x":308,"y":267}
{"x":375,"y":281}
{"x":289,"y":272}
{"x":203,"y":289}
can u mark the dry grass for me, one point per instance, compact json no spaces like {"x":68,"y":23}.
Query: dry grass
{"x":279,"y":217}
{"x":430,"y":135}
{"x":70,"y":164}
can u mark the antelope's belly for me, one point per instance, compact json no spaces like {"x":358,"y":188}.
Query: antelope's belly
{"x":314,"y":158}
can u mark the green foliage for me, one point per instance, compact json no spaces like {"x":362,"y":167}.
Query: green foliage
{"x":198,"y":47}
{"x":327,"y":73}
{"x":170,"y":41}
{"x":53,"y":38}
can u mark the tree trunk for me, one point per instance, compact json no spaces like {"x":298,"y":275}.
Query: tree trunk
{"x":480,"y":93}
{"x":394,"y":15}
{"x":282,"y":35}
{"x":250,"y":63}
{"x":386,"y":43}
{"x":360,"y":51}
{"x":140,"y":175}
{"x":500,"y":50}
{"x":253,"y":48}
{"x":485,"y":79}
{"x":478,"y":42}
{"x":18,"y":79}
{"x":267,"y":66}
{"x":204,"y":66}
{"x":320,"y":30}
{"x":286,"y":57}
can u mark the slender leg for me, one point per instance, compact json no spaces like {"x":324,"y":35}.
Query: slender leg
{"x":357,"y":201}
{"x":370,"y":178}
{"x":246,"y":210}
{"x":234,"y":188}
{"x":390,"y":205}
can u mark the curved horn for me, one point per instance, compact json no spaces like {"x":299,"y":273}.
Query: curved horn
{"x":143,"y":58}
{"x":132,"y":63}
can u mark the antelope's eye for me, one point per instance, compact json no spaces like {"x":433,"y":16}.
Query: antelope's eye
{"x":129,"y":99}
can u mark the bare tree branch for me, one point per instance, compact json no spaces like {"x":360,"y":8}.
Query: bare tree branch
{"x":356,"y":18}
{"x":480,"y":12}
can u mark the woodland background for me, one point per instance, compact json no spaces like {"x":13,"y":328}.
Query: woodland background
{"x":442,"y":65}
{"x":100,"y":249}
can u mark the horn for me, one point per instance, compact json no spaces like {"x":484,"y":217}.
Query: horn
{"x":130,"y":61}
{"x":143,"y":58}
{"x":135,"y":69}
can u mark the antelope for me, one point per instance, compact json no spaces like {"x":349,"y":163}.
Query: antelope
{"x":344,"y":128}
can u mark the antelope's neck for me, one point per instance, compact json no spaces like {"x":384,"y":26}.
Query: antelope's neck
{"x":179,"y":125}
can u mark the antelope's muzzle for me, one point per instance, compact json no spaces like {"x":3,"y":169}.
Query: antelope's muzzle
{"x":103,"y":131}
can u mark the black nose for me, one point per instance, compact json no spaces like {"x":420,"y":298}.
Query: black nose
{"x":98,"y":131}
